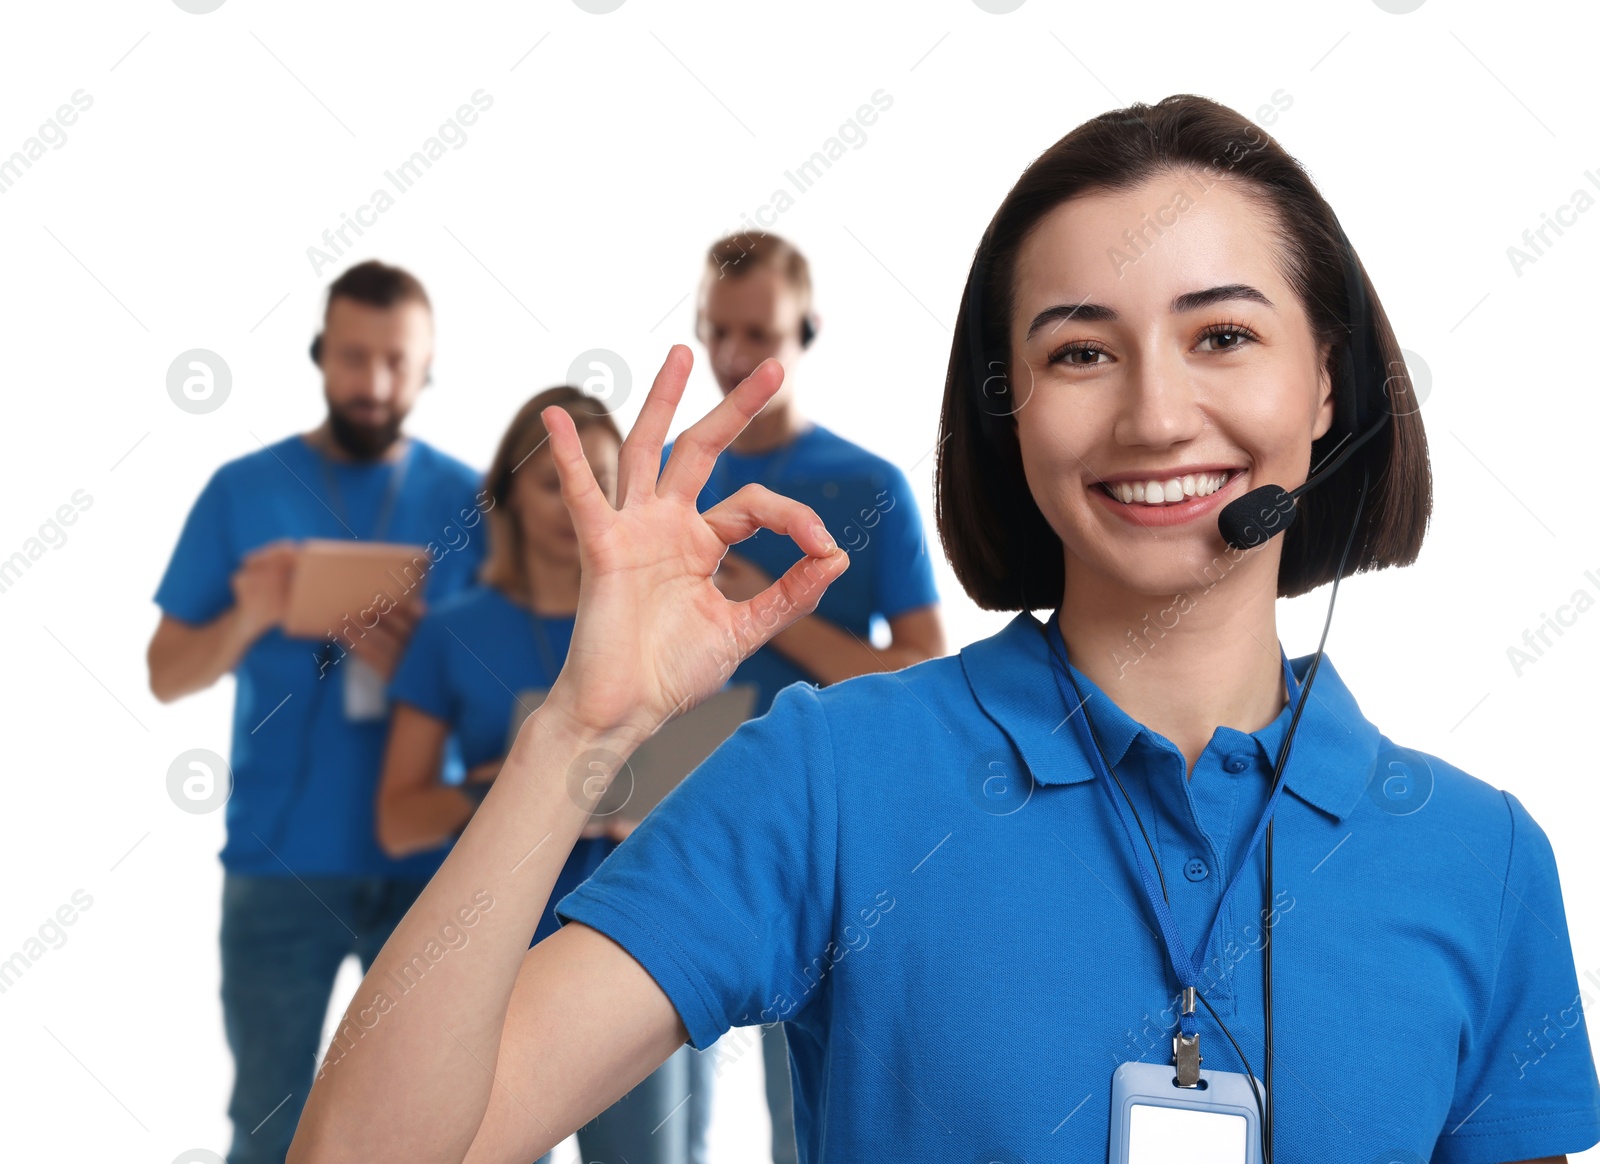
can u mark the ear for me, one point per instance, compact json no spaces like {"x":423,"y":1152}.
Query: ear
{"x":1325,"y":402}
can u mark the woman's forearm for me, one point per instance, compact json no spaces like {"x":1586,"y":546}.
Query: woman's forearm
{"x":408,"y":1073}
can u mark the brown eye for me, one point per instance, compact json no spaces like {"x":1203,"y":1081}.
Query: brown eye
{"x":1072,"y":354}
{"x":1229,"y":336}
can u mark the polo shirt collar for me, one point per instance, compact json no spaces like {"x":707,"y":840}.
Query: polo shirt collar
{"x":1329,"y":766}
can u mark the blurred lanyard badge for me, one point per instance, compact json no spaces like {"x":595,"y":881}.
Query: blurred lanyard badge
{"x":1175,"y":1111}
{"x":364,"y":695}
{"x":363,"y":691}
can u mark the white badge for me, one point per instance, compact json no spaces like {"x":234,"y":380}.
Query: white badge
{"x":1153,"y":1121}
{"x":363,"y":691}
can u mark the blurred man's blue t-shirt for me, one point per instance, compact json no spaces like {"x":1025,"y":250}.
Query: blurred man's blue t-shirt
{"x":868,"y":507}
{"x":305,"y":778}
{"x":470,"y":658}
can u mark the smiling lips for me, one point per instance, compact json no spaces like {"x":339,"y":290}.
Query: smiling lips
{"x":1158,"y":491}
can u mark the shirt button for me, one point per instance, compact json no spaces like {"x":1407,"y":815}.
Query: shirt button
{"x":1236,"y":763}
{"x":1196,"y":869}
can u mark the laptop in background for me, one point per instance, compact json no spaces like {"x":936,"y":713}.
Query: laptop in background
{"x":660,"y":763}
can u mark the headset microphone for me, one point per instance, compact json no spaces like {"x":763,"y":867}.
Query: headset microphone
{"x":1273,"y":506}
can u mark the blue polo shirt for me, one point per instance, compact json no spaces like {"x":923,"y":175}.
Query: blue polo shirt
{"x":305,"y":778}
{"x":921,"y":873}
{"x":468,"y":660}
{"x":868,"y":506}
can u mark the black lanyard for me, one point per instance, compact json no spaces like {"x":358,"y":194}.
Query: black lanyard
{"x":390,"y":496}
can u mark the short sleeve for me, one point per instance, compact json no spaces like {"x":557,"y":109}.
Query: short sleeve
{"x":198,"y":583}
{"x":421,"y":679}
{"x":903,"y":578}
{"x":728,"y":885}
{"x":1526,"y":1086}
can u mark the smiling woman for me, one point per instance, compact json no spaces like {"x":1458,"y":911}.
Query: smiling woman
{"x":1095,"y":424}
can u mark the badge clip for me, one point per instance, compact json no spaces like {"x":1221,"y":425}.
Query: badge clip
{"x":1186,"y":1048}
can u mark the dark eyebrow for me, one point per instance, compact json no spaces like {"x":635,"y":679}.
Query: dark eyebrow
{"x":1190,"y":301}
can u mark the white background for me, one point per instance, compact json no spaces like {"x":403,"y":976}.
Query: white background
{"x":219,"y":147}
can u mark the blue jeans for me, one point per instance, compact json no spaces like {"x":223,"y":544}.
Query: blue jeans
{"x":283,"y":941}
{"x":780,"y":1098}
{"x":780,"y":1094}
{"x":702,"y":1078}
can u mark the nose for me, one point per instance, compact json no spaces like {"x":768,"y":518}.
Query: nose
{"x":1158,"y":402}
{"x":378,"y":382}
{"x":732,"y":359}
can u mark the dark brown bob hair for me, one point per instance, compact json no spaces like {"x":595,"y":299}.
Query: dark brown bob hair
{"x":1004,"y":553}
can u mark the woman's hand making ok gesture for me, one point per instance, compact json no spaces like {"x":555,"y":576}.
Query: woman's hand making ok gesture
{"x":654,"y":636}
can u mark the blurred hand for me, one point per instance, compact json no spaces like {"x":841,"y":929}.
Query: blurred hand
{"x":612,"y":827}
{"x":485,"y":772}
{"x":384,"y":643}
{"x":654,"y":636}
{"x":740,"y":579}
{"x":261,"y":585}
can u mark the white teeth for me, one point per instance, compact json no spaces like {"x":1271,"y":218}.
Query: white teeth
{"x":1171,"y":490}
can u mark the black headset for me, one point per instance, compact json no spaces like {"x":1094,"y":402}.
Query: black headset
{"x":1363,"y":380}
{"x":316,"y":358}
